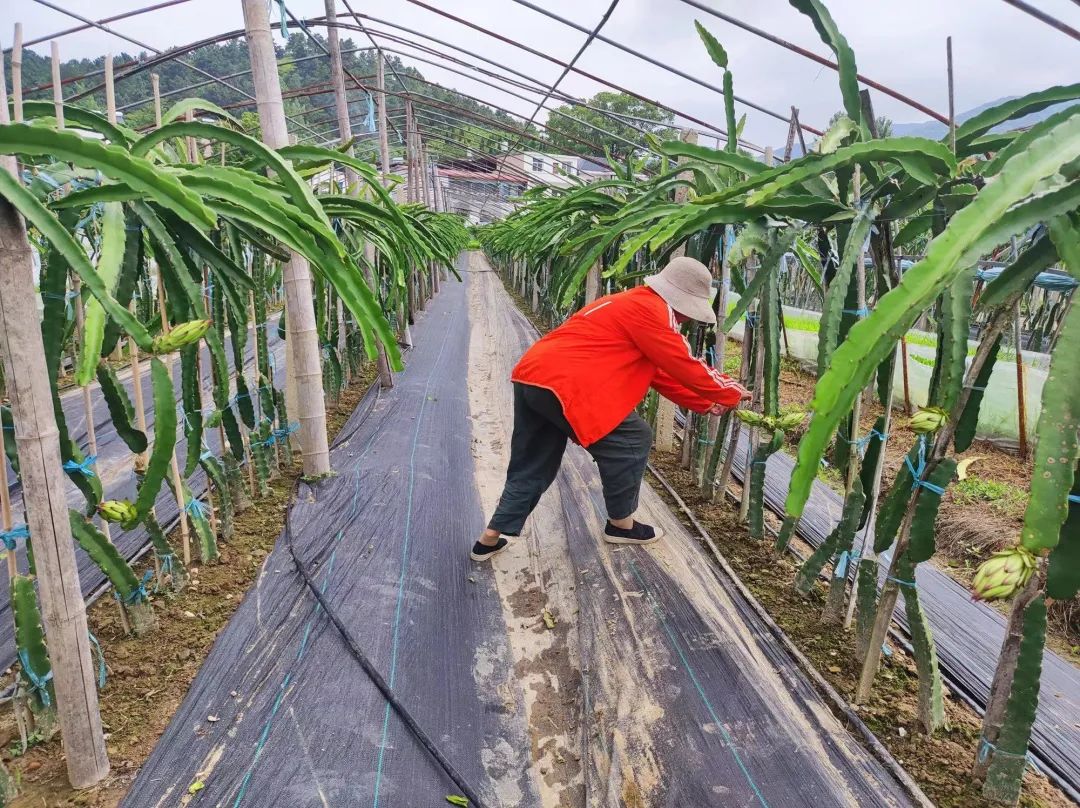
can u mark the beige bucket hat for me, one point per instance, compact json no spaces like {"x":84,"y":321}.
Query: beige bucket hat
{"x":686,"y":286}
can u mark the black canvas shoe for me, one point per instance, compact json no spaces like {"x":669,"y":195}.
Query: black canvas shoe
{"x":482,"y":552}
{"x":638,"y":534}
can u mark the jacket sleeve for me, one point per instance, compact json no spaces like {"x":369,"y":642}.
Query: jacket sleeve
{"x":672,"y":390}
{"x":656,"y":335}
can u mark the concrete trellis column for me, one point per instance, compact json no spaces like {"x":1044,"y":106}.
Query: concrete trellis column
{"x":303,"y":338}
{"x":37,"y":440}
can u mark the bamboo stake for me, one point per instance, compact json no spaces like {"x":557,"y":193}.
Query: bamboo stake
{"x":178,"y":489}
{"x":80,"y":315}
{"x":665,"y":409}
{"x":16,"y":73}
{"x":133,"y":347}
{"x":37,"y":440}
{"x":1021,"y":400}
{"x":6,"y":520}
{"x":303,"y":343}
{"x":714,"y":439}
{"x":952,"y":95}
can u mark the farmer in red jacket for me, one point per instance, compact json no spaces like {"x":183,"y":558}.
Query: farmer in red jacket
{"x":583,"y":381}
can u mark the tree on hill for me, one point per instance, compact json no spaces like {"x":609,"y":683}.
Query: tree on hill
{"x":587,"y":123}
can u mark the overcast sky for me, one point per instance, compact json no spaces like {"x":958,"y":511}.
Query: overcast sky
{"x":998,"y":50}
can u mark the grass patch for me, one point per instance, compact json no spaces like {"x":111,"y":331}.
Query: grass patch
{"x":1005,"y":498}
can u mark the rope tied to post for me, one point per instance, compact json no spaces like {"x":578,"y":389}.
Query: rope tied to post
{"x":846,"y":557}
{"x":985,"y":748}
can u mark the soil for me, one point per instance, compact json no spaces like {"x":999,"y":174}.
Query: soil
{"x":969,"y":529}
{"x":148,"y":677}
{"x":940,"y":764}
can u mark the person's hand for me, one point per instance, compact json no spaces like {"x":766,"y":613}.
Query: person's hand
{"x":746,"y":394}
{"x":717,"y":409}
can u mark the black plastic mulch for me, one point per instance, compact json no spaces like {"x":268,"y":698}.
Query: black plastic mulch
{"x":297,"y":721}
{"x":281,"y":715}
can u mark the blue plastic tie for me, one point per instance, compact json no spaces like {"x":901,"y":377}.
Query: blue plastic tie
{"x":857,"y":312}
{"x":705,"y":441}
{"x":58,"y":296}
{"x":758,"y":462}
{"x":973,"y":387}
{"x":842,"y":562}
{"x":206,"y":455}
{"x":284,"y":18}
{"x":285,"y":431}
{"x":916,"y":473}
{"x":38,"y":684}
{"x":752,"y":319}
{"x":10,"y":537}
{"x":101,"y":660}
{"x":919,"y":482}
{"x":1074,"y":498}
{"x":83,"y":468}
{"x":195,"y":508}
{"x":369,"y":121}
{"x":901,"y":582}
{"x":139,"y":593}
{"x":985,"y":748}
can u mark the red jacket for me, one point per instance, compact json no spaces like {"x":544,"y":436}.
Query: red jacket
{"x":602,"y":361}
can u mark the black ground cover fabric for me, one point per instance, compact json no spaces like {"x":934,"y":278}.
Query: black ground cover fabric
{"x":281,"y":715}
{"x":299,"y":723}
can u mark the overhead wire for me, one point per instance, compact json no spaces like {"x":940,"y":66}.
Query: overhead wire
{"x":821,"y":60}
{"x":1042,"y":16}
{"x":578,"y":70}
{"x":114,"y":18}
{"x":566,"y":70}
{"x":656,"y":62}
{"x":326,"y":51}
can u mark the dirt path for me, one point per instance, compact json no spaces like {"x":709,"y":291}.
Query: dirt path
{"x":681,"y":697}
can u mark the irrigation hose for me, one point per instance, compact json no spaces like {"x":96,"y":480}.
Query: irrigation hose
{"x":354,"y":648}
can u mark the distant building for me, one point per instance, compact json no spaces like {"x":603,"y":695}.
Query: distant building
{"x":481,"y":189}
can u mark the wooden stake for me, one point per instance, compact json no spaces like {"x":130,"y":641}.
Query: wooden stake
{"x":177,"y":478}
{"x":303,"y":339}
{"x":80,"y":317}
{"x":1021,"y":400}
{"x":63,"y":610}
{"x":6,"y":521}
{"x":384,"y":140}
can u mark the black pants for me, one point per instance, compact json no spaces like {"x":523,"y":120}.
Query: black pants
{"x":536,"y":450}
